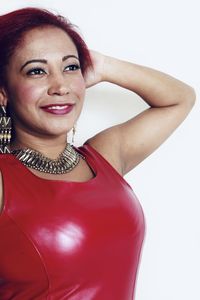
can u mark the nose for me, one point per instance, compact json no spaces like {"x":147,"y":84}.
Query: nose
{"x":58,"y":85}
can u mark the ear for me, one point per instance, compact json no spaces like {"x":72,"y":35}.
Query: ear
{"x":3,"y":97}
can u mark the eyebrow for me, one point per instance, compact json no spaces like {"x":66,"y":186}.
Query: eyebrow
{"x":44,"y":61}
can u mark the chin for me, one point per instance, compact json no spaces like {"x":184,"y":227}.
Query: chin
{"x":57,"y":129}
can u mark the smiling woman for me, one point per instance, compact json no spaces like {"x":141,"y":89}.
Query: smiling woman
{"x":45,"y":86}
{"x":70,"y":226}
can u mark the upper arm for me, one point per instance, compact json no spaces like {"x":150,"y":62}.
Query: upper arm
{"x":143,"y":134}
{"x":127,"y":144}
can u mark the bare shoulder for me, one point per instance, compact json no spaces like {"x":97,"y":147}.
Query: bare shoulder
{"x":107,"y":143}
{"x":1,"y":192}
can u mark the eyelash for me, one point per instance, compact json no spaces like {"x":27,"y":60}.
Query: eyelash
{"x":40,"y":71}
{"x":35,"y":71}
{"x":73,"y":67}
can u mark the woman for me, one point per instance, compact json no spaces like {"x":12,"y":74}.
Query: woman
{"x":70,"y":226}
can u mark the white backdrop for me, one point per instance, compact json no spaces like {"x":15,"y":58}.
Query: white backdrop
{"x":163,"y":35}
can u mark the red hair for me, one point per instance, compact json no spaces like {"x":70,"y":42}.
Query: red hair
{"x":15,"y":24}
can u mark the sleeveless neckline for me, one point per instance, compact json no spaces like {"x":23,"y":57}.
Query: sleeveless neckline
{"x":59,"y":181}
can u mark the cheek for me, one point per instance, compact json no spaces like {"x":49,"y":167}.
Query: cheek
{"x":78,"y":86}
{"x":27,"y":94}
{"x":23,"y":92}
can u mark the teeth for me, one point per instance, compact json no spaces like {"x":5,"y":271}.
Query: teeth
{"x":58,"y":107}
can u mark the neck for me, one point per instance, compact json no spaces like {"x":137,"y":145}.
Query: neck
{"x":48,"y":147}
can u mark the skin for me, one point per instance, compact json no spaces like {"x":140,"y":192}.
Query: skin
{"x":37,"y":84}
{"x":124,"y":145}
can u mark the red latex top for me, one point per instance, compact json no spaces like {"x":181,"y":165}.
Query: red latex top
{"x":68,"y":240}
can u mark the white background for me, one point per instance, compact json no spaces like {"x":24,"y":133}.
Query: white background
{"x":163,"y":35}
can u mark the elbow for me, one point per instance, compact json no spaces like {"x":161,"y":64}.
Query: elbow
{"x":184,"y":95}
{"x":192,"y":96}
{"x":189,"y":97}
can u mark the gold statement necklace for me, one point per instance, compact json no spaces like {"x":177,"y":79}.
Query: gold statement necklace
{"x":66,"y":161}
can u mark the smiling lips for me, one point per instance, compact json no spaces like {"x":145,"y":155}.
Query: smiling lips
{"x":58,"y":109}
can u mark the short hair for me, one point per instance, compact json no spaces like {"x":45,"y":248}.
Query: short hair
{"x":15,"y":24}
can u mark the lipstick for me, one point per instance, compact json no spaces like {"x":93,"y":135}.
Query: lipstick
{"x":58,"y":109}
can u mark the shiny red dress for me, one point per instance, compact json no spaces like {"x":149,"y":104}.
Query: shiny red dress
{"x":68,"y":240}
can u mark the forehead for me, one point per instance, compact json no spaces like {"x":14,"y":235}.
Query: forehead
{"x":45,"y":41}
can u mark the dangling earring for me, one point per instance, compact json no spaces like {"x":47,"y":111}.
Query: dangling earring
{"x":5,"y":130}
{"x":73,"y":133}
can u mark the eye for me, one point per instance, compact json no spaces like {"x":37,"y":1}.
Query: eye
{"x":73,"y":67}
{"x":36,"y":71}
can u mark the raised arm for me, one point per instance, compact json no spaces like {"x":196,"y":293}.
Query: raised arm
{"x":169,"y":100}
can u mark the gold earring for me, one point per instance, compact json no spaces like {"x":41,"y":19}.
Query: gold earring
{"x":73,"y":133}
{"x":5,"y":130}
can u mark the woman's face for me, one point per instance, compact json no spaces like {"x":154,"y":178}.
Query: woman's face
{"x":45,"y":87}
